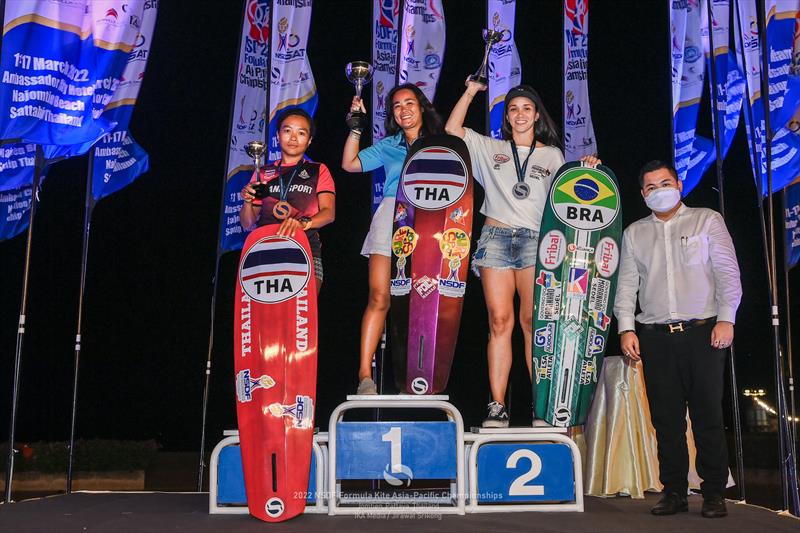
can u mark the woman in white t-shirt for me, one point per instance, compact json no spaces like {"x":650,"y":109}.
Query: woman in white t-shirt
{"x":515,"y":174}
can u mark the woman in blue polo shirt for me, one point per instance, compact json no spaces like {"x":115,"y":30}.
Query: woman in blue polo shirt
{"x":412,"y":116}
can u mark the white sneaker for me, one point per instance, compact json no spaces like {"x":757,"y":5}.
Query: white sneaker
{"x":496,"y":416}
{"x":366,"y":387}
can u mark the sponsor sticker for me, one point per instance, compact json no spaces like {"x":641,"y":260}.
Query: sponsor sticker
{"x":543,"y":337}
{"x":550,"y":296}
{"x":607,"y":257}
{"x":419,"y":386}
{"x":598,"y":294}
{"x":577,"y":283}
{"x":544,"y":369}
{"x":301,"y":412}
{"x":572,"y":329}
{"x":552,"y":249}
{"x":245,"y":385}
{"x":425,"y":286}
{"x":274,"y":507}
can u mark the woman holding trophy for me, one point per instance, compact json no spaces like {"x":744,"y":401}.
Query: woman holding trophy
{"x":410,"y":117}
{"x":516,"y":174}
{"x":292,"y":192}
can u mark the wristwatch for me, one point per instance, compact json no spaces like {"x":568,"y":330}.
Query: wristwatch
{"x":304,"y":221}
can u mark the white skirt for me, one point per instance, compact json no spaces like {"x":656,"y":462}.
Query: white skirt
{"x":379,"y":238}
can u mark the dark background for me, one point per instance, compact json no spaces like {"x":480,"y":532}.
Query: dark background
{"x":151,"y":261}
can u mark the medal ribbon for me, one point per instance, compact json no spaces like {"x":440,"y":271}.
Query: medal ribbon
{"x":285,"y":190}
{"x":521,"y":169}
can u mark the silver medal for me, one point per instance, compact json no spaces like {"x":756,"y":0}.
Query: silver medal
{"x":521,"y":190}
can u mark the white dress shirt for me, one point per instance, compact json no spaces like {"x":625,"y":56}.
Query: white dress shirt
{"x":682,"y":269}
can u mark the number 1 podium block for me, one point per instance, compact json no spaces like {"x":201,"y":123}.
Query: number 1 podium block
{"x":396,"y":452}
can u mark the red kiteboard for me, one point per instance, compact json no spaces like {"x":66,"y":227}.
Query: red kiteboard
{"x":275,"y":346}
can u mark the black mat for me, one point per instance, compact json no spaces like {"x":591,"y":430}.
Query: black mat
{"x":173,"y":512}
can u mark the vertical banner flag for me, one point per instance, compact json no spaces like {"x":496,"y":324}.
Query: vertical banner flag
{"x":61,"y":62}
{"x":579,"y":137}
{"x":292,"y":83}
{"x":422,"y":44}
{"x":14,"y":207}
{"x":693,"y":153}
{"x":505,"y":69}
{"x":17,"y":162}
{"x":17,"y":165}
{"x":784,"y":93}
{"x":792,"y":216}
{"x":248,"y":116}
{"x":385,"y":16}
{"x":118,"y":159}
{"x":729,"y":90}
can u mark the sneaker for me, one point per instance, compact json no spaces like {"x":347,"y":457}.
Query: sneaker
{"x":496,"y":416}
{"x":366,"y":387}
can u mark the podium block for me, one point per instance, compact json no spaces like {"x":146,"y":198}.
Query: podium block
{"x":524,"y":469}
{"x":226,"y":492}
{"x":396,"y":450}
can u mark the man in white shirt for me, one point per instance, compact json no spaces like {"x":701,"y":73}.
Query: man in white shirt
{"x":681,"y":263}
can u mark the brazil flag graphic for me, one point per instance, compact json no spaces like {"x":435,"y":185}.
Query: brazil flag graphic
{"x":585,"y":198}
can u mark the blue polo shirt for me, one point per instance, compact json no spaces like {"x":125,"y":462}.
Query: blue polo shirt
{"x":389,"y":153}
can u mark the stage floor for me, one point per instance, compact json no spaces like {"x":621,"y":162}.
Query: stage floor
{"x":142,"y":512}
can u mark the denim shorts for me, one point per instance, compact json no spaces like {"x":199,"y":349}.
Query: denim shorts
{"x":505,"y":248}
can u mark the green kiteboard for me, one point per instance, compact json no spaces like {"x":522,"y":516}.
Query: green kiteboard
{"x":575,"y":283}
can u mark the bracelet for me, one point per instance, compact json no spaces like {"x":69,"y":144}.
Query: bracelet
{"x":355,"y":133}
{"x":248,"y":201}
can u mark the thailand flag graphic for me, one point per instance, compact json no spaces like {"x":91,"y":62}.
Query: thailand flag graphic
{"x":434,"y":178}
{"x":274,"y":270}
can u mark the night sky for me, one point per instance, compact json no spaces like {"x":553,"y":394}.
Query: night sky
{"x":152,"y":249}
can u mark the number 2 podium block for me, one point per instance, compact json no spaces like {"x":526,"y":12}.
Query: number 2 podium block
{"x":520,"y":469}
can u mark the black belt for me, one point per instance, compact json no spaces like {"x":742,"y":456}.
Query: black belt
{"x":679,"y":327}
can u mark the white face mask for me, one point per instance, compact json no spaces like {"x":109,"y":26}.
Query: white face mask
{"x":662,"y":200}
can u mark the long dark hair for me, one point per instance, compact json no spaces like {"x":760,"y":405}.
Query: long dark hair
{"x":544,"y":129}
{"x":432,"y":123}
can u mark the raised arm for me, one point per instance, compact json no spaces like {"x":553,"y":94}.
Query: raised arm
{"x":455,"y":123}
{"x":350,"y":161}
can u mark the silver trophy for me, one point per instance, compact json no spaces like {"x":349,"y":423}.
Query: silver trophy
{"x":491,"y":37}
{"x":359,"y":73}
{"x":256,"y":149}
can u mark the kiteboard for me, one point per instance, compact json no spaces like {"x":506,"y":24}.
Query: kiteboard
{"x":575,"y":283}
{"x":430,"y":261}
{"x":275,"y":350}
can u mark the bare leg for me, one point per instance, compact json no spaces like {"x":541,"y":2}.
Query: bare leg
{"x":524,"y":282}
{"x":375,"y":314}
{"x":498,"y":291}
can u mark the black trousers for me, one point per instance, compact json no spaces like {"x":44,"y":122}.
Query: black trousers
{"x":680,"y":370}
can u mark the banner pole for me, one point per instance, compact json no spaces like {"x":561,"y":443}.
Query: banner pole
{"x":215,"y":278}
{"x":672,"y":104}
{"x":87,"y":222}
{"x":787,"y":460}
{"x":737,"y":423}
{"x":37,"y":175}
{"x":789,"y":354}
